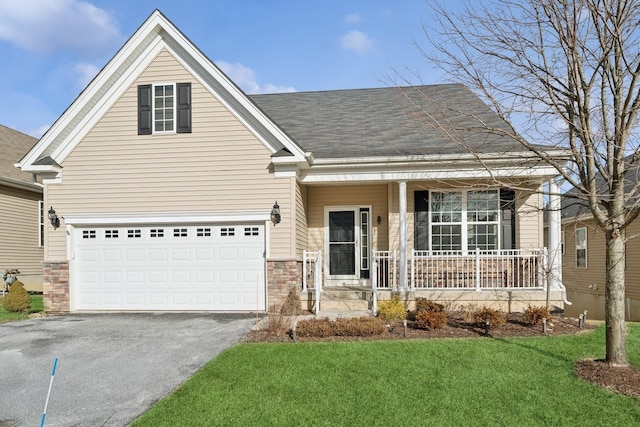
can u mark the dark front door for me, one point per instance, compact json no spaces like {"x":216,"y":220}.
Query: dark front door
{"x":342,"y":243}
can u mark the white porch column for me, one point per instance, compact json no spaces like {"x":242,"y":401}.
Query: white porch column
{"x":402,"y":208}
{"x":555,"y":234}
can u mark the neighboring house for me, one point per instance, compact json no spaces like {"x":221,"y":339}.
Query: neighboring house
{"x":584,"y":262}
{"x":21,"y":212}
{"x":177,"y":191}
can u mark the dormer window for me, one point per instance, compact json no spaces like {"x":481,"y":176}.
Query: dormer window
{"x":164,"y":108}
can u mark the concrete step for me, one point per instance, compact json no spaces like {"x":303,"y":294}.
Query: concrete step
{"x":343,"y":305}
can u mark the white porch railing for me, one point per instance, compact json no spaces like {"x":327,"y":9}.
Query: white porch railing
{"x":312,"y":274}
{"x":478,"y":270}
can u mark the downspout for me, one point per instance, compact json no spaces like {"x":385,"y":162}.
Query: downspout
{"x":555,"y":244}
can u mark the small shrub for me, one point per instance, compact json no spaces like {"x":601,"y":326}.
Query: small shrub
{"x":354,"y":327}
{"x":426,"y":319}
{"x":359,"y":327}
{"x":496,"y":318}
{"x":291,"y":306}
{"x":423,"y":304}
{"x":392,"y":309}
{"x":533,"y":315}
{"x":17,"y":300}
{"x":322,"y":327}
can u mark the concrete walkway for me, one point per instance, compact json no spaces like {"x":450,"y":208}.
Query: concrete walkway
{"x":111,"y":367}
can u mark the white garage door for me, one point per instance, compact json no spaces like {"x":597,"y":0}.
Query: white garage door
{"x":170,"y":267}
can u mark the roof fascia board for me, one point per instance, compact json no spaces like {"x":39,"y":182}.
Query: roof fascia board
{"x":34,"y":188}
{"x":312,"y":176}
{"x":559,"y":155}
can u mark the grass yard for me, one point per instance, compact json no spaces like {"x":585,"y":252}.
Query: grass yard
{"x":37,"y":306}
{"x":458,"y":382}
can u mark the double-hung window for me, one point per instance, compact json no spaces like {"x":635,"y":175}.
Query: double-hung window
{"x":581,"y":247}
{"x":464,"y":220}
{"x":164,"y":108}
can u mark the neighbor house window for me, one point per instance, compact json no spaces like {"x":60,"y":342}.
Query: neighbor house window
{"x":581,"y":247}
{"x":164,"y":108}
{"x":41,"y":223}
{"x":464,"y":220}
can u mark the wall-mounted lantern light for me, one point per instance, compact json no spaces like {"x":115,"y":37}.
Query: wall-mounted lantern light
{"x":53,"y":217}
{"x":275,"y":214}
{"x":379,"y":220}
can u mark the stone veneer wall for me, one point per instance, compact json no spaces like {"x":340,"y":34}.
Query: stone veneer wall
{"x":282,"y":277}
{"x":56,"y":286}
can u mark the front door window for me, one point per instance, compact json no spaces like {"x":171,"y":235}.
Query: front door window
{"x":342,"y":243}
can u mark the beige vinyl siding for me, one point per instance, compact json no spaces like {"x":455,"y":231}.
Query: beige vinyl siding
{"x":586,"y":286}
{"x":302,"y":232}
{"x":590,"y":279}
{"x":20,"y":231}
{"x":347,"y":195}
{"x":529,"y":220}
{"x":219,"y":167}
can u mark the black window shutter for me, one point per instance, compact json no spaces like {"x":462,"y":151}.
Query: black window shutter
{"x":184,"y":108}
{"x":144,"y":110}
{"x":508,"y":218}
{"x":421,"y":220}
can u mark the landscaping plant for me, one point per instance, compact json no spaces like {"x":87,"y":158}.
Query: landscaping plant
{"x":495,"y":317}
{"x":533,"y":315}
{"x":17,"y":300}
{"x":393,"y":309}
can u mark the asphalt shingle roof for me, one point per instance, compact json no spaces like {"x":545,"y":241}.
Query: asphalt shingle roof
{"x":393,"y":121}
{"x":14,"y":145}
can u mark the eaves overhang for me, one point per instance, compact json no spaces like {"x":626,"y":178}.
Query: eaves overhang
{"x":21,"y":185}
{"x":440,"y":167}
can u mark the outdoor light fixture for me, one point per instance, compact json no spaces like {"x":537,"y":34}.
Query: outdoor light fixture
{"x":275,"y":214}
{"x":53,"y":217}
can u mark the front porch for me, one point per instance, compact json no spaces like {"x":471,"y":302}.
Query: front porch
{"x":506,"y":279}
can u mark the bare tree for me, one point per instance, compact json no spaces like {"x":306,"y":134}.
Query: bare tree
{"x":566,"y":72}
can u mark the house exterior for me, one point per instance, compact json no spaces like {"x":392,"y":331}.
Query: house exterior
{"x":584,"y":264}
{"x":22,"y":217}
{"x":177,"y":191}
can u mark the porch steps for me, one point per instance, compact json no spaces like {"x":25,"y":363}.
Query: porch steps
{"x":342,"y":299}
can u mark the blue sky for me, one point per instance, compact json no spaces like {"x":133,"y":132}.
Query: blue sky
{"x":51,"y":49}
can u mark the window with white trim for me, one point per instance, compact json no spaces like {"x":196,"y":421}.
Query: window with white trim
{"x":464,"y":220}
{"x":164,"y":108}
{"x":581,"y":247}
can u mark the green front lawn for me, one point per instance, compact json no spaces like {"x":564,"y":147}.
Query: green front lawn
{"x":37,"y":306}
{"x":460,"y":382}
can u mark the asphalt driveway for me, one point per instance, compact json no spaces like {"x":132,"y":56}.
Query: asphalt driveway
{"x":111,"y":367}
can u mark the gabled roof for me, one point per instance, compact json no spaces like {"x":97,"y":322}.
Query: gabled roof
{"x":155,"y":34}
{"x":13,"y":145}
{"x":333,"y":136}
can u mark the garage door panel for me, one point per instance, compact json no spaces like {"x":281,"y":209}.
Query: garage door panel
{"x":158,"y":255}
{"x":156,"y":267}
{"x":134,"y":255}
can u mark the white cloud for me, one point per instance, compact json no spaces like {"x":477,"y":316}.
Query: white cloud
{"x":352,"y":18}
{"x":357,"y":41}
{"x":245,"y":77}
{"x":47,"y":26}
{"x":85,"y":72}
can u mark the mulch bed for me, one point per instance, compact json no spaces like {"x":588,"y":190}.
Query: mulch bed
{"x":621,"y":380}
{"x":458,"y":326}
